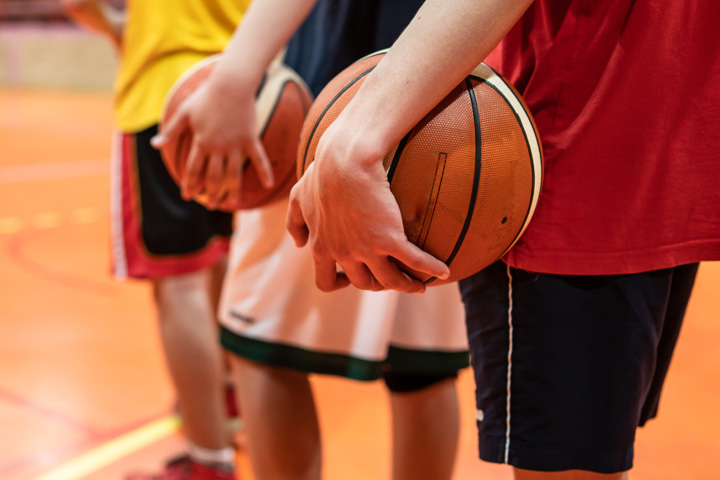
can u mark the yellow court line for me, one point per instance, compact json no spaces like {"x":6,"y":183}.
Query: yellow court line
{"x":47,"y":220}
{"x":11,"y":225}
{"x":112,"y":451}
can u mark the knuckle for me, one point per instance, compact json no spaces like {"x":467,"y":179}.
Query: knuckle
{"x":393,"y":283}
{"x":318,"y":249}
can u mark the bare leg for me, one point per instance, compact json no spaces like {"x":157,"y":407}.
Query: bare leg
{"x":426,"y":427}
{"x":283,"y":435}
{"x":188,"y":329}
{"x":567,"y":475}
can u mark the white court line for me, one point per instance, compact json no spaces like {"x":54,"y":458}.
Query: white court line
{"x":52,"y":171}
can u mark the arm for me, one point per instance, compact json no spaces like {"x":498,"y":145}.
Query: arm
{"x":228,"y":99}
{"x":343,"y":204}
{"x":97,"y":15}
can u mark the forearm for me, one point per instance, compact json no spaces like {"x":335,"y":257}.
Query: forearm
{"x":445,"y":41}
{"x":98,"y":16}
{"x":265,"y":29}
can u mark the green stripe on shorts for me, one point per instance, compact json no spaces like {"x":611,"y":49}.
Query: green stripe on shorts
{"x":287,"y":356}
{"x":399,"y":360}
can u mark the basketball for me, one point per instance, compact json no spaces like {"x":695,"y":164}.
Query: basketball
{"x":466,"y":178}
{"x":281,"y":105}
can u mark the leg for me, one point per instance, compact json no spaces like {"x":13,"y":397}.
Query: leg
{"x":194,"y":357}
{"x":426,"y":427}
{"x":280,"y":421}
{"x":428,"y":346}
{"x":182,"y":246}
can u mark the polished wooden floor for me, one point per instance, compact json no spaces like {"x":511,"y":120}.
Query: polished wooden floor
{"x":83,"y":388}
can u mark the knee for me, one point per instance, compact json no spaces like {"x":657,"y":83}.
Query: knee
{"x":172,"y":287}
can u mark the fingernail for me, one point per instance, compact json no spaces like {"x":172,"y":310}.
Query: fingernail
{"x":156,"y":141}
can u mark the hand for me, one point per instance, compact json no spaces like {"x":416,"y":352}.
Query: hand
{"x":344,"y":207}
{"x":224,"y":136}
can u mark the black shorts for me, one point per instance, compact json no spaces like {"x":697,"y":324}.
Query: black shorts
{"x":567,"y":367}
{"x":155,"y":232}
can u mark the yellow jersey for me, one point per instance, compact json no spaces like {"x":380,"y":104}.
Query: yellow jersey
{"x":162,"y":39}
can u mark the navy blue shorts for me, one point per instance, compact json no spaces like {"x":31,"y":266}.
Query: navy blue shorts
{"x":339,"y":32}
{"x":567,"y":367}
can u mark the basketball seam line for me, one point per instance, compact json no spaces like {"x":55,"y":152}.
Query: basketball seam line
{"x":396,"y":158}
{"x":527,"y":143}
{"x":476,"y":175}
{"x":327,"y":107}
{"x":274,"y":107}
{"x":434,"y":205}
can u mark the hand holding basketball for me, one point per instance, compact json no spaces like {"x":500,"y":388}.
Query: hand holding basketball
{"x":217,"y":153}
{"x":460,"y":186}
{"x":344,"y":207}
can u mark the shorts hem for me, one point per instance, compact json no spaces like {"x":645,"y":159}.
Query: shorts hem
{"x":399,"y":360}
{"x":404,"y":360}
{"x":553,"y":459}
{"x":142,"y":265}
{"x":288,"y":356}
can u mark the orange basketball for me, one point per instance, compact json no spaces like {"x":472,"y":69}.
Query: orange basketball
{"x":466,"y":178}
{"x":281,"y":105}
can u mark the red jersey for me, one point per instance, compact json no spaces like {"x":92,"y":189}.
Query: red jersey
{"x":626,"y":96}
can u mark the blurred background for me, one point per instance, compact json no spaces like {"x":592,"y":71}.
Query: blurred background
{"x":84,"y":393}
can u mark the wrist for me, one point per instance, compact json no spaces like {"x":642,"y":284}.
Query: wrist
{"x":232,"y":84}
{"x":369,"y":138}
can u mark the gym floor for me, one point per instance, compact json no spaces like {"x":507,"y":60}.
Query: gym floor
{"x":83,"y":389}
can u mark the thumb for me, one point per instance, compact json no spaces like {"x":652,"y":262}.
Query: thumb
{"x":262,"y":164}
{"x":295,"y":221}
{"x":172,"y":128}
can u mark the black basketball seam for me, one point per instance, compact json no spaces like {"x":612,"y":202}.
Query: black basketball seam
{"x":291,"y":172}
{"x":476,"y":177}
{"x":327,"y":107}
{"x":396,"y":157}
{"x":262,"y":85}
{"x":434,"y":205}
{"x":272,"y":110}
{"x":527,"y":142}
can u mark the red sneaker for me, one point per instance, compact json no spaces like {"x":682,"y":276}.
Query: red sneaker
{"x":184,"y":468}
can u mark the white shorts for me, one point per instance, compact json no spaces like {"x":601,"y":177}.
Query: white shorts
{"x":272,"y":312}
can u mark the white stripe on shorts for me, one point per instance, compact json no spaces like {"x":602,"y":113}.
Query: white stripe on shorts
{"x":509,"y":367}
{"x":116,"y":201}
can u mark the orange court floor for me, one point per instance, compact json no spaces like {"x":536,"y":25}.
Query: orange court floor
{"x":84,"y":393}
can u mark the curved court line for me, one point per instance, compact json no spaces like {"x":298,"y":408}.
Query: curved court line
{"x":53,"y":171}
{"x":114,"y":450}
{"x":49,"y":413}
{"x":29,"y":265}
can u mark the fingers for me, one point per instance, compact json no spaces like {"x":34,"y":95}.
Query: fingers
{"x":360,"y":276}
{"x":234,"y":177}
{"x":295,"y":221}
{"x":391,"y":277}
{"x":260,"y":161}
{"x":417,"y":259}
{"x":214,"y":180}
{"x":175,"y":125}
{"x":327,"y":278}
{"x":192,"y":179}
